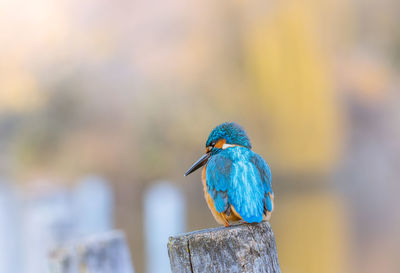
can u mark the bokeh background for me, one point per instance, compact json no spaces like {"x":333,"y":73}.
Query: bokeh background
{"x":129,"y":91}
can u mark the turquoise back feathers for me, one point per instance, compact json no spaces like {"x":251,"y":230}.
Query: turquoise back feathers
{"x":237,"y":176}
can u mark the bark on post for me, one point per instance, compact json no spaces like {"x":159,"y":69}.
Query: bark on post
{"x":239,"y":248}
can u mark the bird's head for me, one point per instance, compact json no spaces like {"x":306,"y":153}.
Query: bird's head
{"x":225,"y":135}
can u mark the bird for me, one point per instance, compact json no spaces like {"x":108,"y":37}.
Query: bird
{"x":236,"y":180}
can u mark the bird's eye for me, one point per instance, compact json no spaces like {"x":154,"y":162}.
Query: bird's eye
{"x":209,"y":148}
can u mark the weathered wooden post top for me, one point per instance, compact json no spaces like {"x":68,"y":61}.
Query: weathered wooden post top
{"x":239,"y":248}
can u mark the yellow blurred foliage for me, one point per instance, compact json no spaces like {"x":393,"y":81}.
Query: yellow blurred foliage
{"x":316,"y":241}
{"x":290,"y":71}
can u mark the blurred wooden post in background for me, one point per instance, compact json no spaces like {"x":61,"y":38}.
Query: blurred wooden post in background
{"x":240,"y":248}
{"x":103,"y":253}
{"x":10,"y":251}
{"x":93,"y":204}
{"x":164,"y":214}
{"x":47,"y":221}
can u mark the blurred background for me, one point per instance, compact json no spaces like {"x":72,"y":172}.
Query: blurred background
{"x":102,"y":100}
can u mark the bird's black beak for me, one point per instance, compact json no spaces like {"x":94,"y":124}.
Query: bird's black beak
{"x":199,"y":163}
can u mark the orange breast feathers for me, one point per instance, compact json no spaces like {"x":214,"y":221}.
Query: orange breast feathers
{"x":221,"y":218}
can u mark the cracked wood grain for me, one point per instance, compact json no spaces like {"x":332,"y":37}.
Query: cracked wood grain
{"x":239,"y":248}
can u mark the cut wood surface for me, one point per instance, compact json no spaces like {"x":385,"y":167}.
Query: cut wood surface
{"x":239,"y":248}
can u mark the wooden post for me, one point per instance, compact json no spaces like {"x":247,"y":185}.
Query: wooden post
{"x":239,"y":248}
{"x":103,"y":253}
{"x":164,"y":211}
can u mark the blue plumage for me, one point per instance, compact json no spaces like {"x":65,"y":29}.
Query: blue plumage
{"x":236,"y":179}
{"x":237,"y":176}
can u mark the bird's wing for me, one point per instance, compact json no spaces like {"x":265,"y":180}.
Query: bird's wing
{"x":218,"y":179}
{"x":241,"y":178}
{"x":265,"y":175}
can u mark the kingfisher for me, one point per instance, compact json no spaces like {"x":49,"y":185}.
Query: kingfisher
{"x":236,"y":180}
